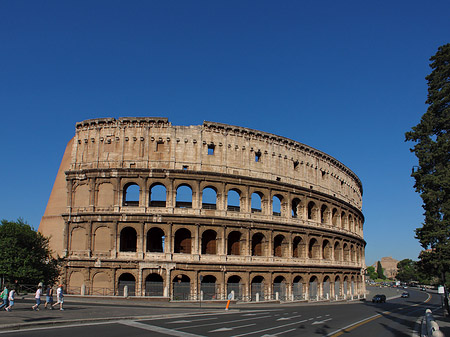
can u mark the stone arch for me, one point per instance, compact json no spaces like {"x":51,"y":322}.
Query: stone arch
{"x":102,"y":239}
{"x":313,"y":288}
{"x":297,"y":247}
{"x":128,"y":240}
{"x":81,"y":196}
{"x":181,"y":287}
{"x":334,"y":217}
{"x":209,"y":242}
{"x":337,"y":287}
{"x":155,"y":240}
{"x":126,"y":279}
{"x":346,"y":252}
{"x":326,"y":286}
{"x":209,"y":197}
{"x":297,"y":288}
{"x":183,"y":241}
{"x":234,"y":200}
{"x":208,"y":287}
{"x":154,"y":285}
{"x":312,"y":210}
{"x":131,"y":194}
{"x":257,"y":199}
{"x":279,"y":246}
{"x":258,"y":244}
{"x":279,"y":286}
{"x":76,"y":281}
{"x":101,"y":284}
{"x":105,"y":196}
{"x":295,"y":208}
{"x":234,"y":243}
{"x":313,"y":249}
{"x":78,"y":239}
{"x":257,"y":287}
{"x":337,"y":251}
{"x":235,"y":287}
{"x":277,"y":205}
{"x":326,"y":250}
{"x":184,"y":195}
{"x":158,"y":195}
{"x":344,"y":220}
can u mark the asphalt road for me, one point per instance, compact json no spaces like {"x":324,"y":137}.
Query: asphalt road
{"x":397,"y":317}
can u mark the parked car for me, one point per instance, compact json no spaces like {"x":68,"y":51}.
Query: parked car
{"x":405,"y":294}
{"x":379,"y":298}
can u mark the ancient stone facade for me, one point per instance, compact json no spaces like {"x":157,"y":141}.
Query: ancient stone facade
{"x":201,"y":212}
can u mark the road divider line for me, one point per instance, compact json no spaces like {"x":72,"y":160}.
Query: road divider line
{"x":159,"y":329}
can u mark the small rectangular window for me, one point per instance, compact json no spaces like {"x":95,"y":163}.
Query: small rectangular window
{"x":210,"y":150}
{"x":258,"y":156}
{"x":185,"y":167}
{"x":295,"y":164}
{"x":159,"y":146}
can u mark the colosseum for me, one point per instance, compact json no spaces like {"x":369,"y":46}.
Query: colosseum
{"x":141,"y":207}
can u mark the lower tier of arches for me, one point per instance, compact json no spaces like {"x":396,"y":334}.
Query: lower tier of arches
{"x":192,"y":283}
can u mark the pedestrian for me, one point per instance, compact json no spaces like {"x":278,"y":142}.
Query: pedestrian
{"x":12,"y":295}
{"x":37,"y":297}
{"x":4,"y":296}
{"x":60,"y":297}
{"x":49,"y":297}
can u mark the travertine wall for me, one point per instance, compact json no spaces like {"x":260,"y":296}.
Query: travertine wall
{"x":313,"y":245}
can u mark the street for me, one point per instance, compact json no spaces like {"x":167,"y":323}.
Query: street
{"x":396,"y":317}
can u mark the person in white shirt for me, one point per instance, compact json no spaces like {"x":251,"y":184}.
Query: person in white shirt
{"x":11,"y":297}
{"x":37,"y":297}
{"x":60,"y":297}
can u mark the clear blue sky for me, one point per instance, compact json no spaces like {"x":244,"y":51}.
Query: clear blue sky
{"x":346,"y":77}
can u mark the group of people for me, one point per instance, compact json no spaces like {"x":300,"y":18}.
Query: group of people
{"x":49,"y":297}
{"x":8,"y":296}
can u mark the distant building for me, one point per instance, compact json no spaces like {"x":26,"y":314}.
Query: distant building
{"x":389,"y":266}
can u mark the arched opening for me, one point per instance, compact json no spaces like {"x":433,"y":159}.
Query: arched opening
{"x":158,"y":195}
{"x":313,"y":289}
{"x":234,"y":200}
{"x":279,"y":244}
{"x":128,"y":280}
{"x":297,"y":245}
{"x":337,"y":252}
{"x":324,"y":215}
{"x":334,"y":217}
{"x":256,"y":202}
{"x":128,"y":240}
{"x":234,"y":243}
{"x":209,"y":242}
{"x":181,"y":286}
{"x":295,"y":208}
{"x":350,"y":223}
{"x":131,"y":194}
{"x":234,"y":287}
{"x":208,"y":287}
{"x":343,"y":220}
{"x":257,"y":287}
{"x":311,"y":211}
{"x":337,"y":287}
{"x":313,"y":249}
{"x":326,"y":250}
{"x":346,"y":253}
{"x":353,"y":253}
{"x":155,"y":240}
{"x":182,"y":241}
{"x":209,"y":198}
{"x":154,"y":285}
{"x":279,"y":288}
{"x":345,"y":284}
{"x":258,"y":244}
{"x":297,"y":288}
{"x":276,"y":205}
{"x":326,"y":288}
{"x":184,"y":196}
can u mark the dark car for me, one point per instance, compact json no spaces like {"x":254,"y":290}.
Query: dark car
{"x":379,"y":299}
{"x":405,"y":294}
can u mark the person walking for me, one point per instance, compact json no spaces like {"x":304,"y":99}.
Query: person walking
{"x":4,"y":296}
{"x":37,"y":297}
{"x":49,"y":297}
{"x":12,"y":295}
{"x":60,"y":297}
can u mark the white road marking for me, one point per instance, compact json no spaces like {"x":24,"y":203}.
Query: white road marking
{"x":222,"y":322}
{"x":154,"y":328}
{"x":272,"y":328}
{"x":320,"y":322}
{"x":232,"y":328}
{"x":192,"y":320}
{"x":287,"y":318}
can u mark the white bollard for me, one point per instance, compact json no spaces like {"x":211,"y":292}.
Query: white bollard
{"x":83,"y":290}
{"x":257,"y":297}
{"x":125,"y":291}
{"x":277,"y":296}
{"x":232,"y":295}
